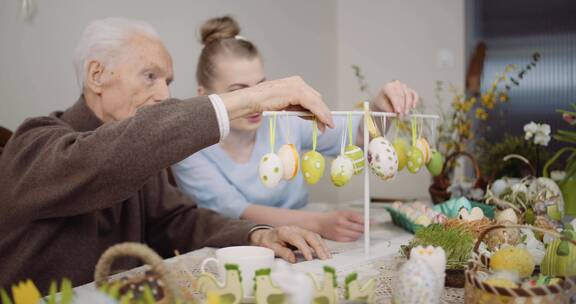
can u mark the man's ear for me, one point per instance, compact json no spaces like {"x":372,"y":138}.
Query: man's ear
{"x":95,"y":76}
{"x":201,"y":91}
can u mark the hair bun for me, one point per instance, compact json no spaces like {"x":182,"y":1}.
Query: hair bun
{"x":219,"y":28}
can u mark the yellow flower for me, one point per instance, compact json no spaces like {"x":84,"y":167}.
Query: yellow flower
{"x":488,"y":101}
{"x":467,"y":105}
{"x":503,"y":97}
{"x":25,"y":293}
{"x":481,"y":114}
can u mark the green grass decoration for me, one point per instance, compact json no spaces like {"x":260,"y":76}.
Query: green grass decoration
{"x":4,"y":296}
{"x":52,"y":291}
{"x":457,"y":243}
{"x":66,"y":291}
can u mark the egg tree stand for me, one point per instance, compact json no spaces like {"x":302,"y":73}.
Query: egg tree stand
{"x":366,"y":142}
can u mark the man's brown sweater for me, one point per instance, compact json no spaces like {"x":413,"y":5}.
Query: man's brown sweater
{"x":71,"y":186}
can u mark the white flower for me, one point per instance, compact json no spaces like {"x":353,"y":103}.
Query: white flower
{"x":540,"y":132}
{"x":530,"y":129}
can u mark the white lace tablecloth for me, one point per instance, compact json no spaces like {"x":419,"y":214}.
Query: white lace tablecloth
{"x":347,"y":257}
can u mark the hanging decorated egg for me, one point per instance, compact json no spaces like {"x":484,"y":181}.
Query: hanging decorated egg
{"x":312,"y":166}
{"x":341,"y":171}
{"x":270,"y":170}
{"x":436,"y":163}
{"x":382,"y":158}
{"x":356,"y":155}
{"x":423,"y":145}
{"x":415,"y":159}
{"x":290,"y":161}
{"x":401,"y":147}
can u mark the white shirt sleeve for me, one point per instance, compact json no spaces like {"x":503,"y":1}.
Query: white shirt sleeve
{"x":221,"y":115}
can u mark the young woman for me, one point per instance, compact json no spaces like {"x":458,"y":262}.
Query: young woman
{"x":225,"y":178}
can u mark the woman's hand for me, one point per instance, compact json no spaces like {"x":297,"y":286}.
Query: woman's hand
{"x":276,"y":95}
{"x":395,"y":97}
{"x":281,"y":238}
{"x":342,"y":225}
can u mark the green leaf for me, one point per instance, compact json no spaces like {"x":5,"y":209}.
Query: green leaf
{"x":66,"y":291}
{"x":52,"y":291}
{"x":4,"y":296}
{"x":148,"y":296}
{"x":114,"y":291}
{"x":565,"y":111}
{"x":125,"y":299}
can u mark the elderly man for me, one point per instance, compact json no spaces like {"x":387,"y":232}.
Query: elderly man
{"x":76,"y":182}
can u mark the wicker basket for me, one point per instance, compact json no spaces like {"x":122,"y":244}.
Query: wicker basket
{"x":159,"y":279}
{"x":439,"y":188}
{"x":476,"y":291}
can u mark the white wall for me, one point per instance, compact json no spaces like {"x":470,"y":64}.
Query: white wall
{"x":37,"y":75}
{"x":318,"y":40}
{"x":398,"y":39}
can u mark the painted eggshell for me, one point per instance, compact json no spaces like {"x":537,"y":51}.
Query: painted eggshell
{"x":382,"y":158}
{"x":436,"y":163}
{"x":423,"y":220}
{"x":289,"y":157}
{"x":415,"y":159}
{"x":312,"y":166}
{"x":401,"y":147}
{"x":341,"y":171}
{"x":355,"y":154}
{"x":270,"y":170}
{"x":416,"y":282}
{"x":423,"y":145}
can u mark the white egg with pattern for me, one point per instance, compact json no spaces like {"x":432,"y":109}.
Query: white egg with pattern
{"x":270,"y":170}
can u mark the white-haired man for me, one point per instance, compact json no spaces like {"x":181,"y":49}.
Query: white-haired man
{"x":78,"y":181}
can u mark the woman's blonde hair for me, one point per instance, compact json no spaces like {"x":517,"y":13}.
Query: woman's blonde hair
{"x":220,"y":37}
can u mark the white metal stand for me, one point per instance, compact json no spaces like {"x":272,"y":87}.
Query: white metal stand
{"x":366,"y":165}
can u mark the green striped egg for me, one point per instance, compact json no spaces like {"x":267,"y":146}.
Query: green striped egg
{"x":356,"y":155}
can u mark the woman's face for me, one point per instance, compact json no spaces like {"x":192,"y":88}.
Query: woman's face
{"x":233,"y":73}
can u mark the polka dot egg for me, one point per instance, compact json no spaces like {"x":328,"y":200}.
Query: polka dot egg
{"x":270,"y":170}
{"x":341,"y":171}
{"x":382,"y":158}
{"x":423,"y":145}
{"x":312,"y":166}
{"x":356,"y":155}
{"x":415,"y":159}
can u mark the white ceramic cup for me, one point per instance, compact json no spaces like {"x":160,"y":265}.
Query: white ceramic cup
{"x":248,"y":258}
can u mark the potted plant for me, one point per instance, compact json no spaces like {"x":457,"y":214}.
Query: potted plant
{"x":566,"y":180}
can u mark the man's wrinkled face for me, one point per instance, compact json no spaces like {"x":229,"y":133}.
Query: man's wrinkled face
{"x":139,"y":76}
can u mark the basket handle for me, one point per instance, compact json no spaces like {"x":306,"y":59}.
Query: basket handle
{"x":523,"y":159}
{"x":474,"y":164}
{"x":484,"y":232}
{"x":141,"y":251}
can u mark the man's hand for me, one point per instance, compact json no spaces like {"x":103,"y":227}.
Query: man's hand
{"x":281,"y":238}
{"x":395,"y":97}
{"x":291,"y":94}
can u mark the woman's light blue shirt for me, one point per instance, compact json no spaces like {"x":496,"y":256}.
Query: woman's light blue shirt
{"x":216,"y":182}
